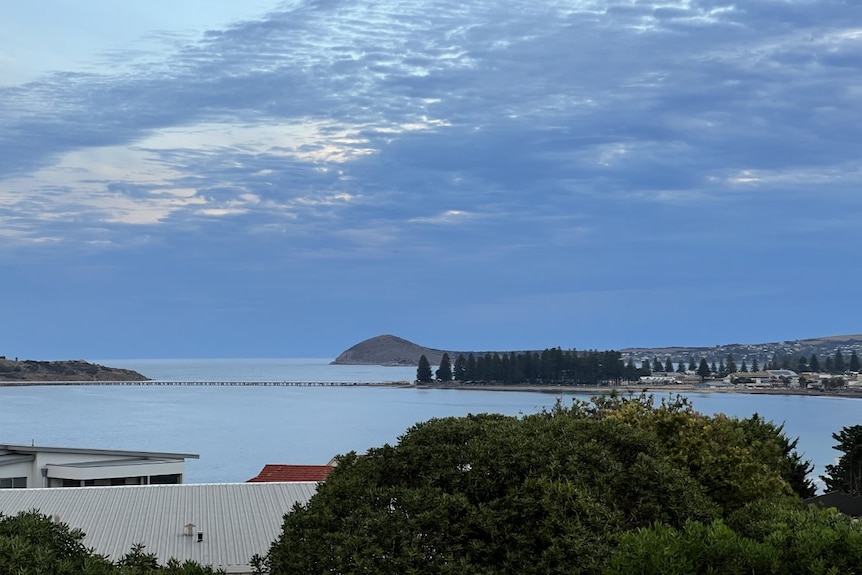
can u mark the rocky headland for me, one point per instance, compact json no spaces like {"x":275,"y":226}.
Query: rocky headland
{"x":14,"y":372}
{"x":387,"y":350}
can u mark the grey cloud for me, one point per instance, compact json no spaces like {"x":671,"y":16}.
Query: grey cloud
{"x":534,"y":93}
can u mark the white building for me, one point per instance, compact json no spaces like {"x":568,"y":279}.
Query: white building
{"x":23,"y":466}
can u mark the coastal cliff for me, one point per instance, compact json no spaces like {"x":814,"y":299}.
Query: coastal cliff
{"x":14,"y":372}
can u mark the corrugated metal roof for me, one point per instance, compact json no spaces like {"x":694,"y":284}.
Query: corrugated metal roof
{"x":278,"y":472}
{"x":237,"y":519}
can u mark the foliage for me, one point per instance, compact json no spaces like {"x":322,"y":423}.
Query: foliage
{"x":846,"y":474}
{"x":423,"y":371}
{"x":460,"y":369}
{"x":736,"y":460}
{"x":33,"y":544}
{"x":444,"y":371}
{"x":551,"y":366}
{"x":703,"y":369}
{"x":552,"y":492}
{"x":762,"y":538}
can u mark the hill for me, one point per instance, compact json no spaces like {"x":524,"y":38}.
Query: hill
{"x":392,"y":350}
{"x":387,"y":350}
{"x":821,"y":346}
{"x":14,"y":372}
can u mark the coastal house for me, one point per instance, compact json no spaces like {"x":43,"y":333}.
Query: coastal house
{"x":33,"y":466}
{"x":767,"y":378}
{"x":223,"y":525}
{"x":784,"y":376}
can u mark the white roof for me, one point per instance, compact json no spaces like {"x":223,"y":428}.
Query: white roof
{"x":6,"y":450}
{"x":237,"y":520}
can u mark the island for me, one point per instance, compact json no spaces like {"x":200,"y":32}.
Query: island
{"x":388,"y":350}
{"x":30,"y":372}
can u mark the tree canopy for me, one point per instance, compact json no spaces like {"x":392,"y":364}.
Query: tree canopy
{"x":444,"y":371}
{"x":423,"y":370}
{"x":553,"y":492}
{"x":846,"y":474}
{"x":760,"y":539}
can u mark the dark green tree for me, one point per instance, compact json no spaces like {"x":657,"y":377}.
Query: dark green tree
{"x":444,"y":371}
{"x":784,"y":537}
{"x":730,"y":364}
{"x":553,"y":492}
{"x":631,"y":372}
{"x":703,"y":369}
{"x":814,"y":363}
{"x":754,"y":365}
{"x":839,"y":364}
{"x":460,"y":369}
{"x":846,"y":474}
{"x":470,"y":370}
{"x":854,"y":362}
{"x":423,"y":370}
{"x":744,"y":367}
{"x":656,"y":365}
{"x":668,"y":365}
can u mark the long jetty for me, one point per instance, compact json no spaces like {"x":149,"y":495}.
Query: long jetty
{"x":210,"y":383}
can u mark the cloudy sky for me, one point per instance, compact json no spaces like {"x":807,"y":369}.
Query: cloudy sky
{"x":212,"y":178}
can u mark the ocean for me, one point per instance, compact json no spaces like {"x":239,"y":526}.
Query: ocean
{"x":236,"y":430}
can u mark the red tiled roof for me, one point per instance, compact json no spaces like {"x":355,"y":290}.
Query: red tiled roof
{"x":272,"y":473}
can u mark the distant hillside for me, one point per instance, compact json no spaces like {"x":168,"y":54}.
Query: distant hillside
{"x":14,"y":372}
{"x":821,"y":346}
{"x":392,"y":350}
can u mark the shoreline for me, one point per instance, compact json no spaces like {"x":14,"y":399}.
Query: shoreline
{"x":849,"y":393}
{"x":632,"y":389}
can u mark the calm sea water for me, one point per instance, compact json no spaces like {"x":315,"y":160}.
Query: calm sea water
{"x":236,"y":430}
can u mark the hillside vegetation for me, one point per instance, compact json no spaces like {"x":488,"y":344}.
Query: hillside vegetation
{"x":14,"y":372}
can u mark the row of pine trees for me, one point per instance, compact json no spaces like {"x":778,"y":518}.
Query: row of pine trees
{"x":551,"y":366}
{"x":570,"y":367}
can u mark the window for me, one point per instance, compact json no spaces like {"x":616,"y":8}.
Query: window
{"x":165,"y":479}
{"x":13,"y":482}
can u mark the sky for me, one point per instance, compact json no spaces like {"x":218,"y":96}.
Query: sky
{"x":211,"y":178}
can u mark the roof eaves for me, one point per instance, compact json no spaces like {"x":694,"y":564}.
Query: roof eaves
{"x":78,"y":450}
{"x":15,"y":458}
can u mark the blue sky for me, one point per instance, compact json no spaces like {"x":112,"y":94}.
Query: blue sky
{"x":268,"y":179}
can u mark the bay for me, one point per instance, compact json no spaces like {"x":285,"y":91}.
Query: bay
{"x":236,"y":430}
